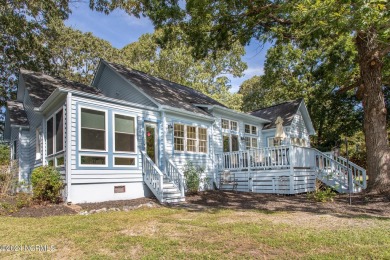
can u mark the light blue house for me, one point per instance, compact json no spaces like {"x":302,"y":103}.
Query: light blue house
{"x":129,"y":135}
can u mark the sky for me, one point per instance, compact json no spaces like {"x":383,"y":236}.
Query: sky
{"x":120,"y":29}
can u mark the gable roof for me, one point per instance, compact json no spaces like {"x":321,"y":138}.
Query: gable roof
{"x":17,"y":114}
{"x":40,"y":86}
{"x":164,"y":92}
{"x":285,"y":110}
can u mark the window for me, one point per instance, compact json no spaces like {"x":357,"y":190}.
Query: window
{"x":251,"y":142}
{"x":179,"y":137}
{"x":190,"y":138}
{"x":55,"y":133}
{"x":229,"y":124}
{"x":202,"y":136}
{"x":59,"y":131}
{"x":93,"y":160}
{"x":60,"y":161}
{"x":230,"y":143}
{"x":225,"y":124}
{"x":50,"y":136}
{"x":124,"y":161}
{"x":38,"y":140}
{"x":250,"y":129}
{"x":233,"y":126}
{"x":93,"y":130}
{"x":124,"y":133}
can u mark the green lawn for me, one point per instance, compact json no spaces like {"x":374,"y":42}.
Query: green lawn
{"x":176,"y":233}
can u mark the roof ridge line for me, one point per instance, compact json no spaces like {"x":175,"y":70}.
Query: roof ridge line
{"x":289,"y":101}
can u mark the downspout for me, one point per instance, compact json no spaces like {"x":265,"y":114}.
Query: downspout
{"x":68,"y":145}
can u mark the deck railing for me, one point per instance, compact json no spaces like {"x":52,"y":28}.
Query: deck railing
{"x":153,"y":177}
{"x":266,"y":158}
{"x":358,"y":173}
{"x":174,"y":175}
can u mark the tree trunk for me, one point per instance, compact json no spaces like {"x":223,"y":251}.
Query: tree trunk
{"x":378,"y":152}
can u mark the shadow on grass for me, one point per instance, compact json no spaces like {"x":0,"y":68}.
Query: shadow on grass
{"x":216,"y":201}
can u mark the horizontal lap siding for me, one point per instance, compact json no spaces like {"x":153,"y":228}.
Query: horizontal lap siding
{"x":110,"y":173}
{"x":298,"y":128}
{"x":304,"y":181}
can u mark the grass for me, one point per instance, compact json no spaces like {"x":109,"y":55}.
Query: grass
{"x":175,"y":233}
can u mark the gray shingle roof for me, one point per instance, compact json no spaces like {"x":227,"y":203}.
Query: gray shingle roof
{"x":40,"y":86}
{"x":285,"y":110}
{"x":16,"y":112}
{"x":166,"y":92}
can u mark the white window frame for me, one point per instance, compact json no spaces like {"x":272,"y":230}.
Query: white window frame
{"x":125,"y":156}
{"x":196,"y":141}
{"x":251,"y":138}
{"x":93,"y":155}
{"x":250,"y":130}
{"x":230,"y":125}
{"x":56,"y":163}
{"x":135,"y":133}
{"x":229,"y":135}
{"x":105,"y":129}
{"x":55,"y":132}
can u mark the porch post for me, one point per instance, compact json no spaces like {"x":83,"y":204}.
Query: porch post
{"x":291,"y":151}
{"x":68,"y":145}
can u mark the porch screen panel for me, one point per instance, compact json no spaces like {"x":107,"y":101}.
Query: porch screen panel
{"x":191,"y":139}
{"x":93,"y":129}
{"x":202,"y":133}
{"x":124,"y":133}
{"x":50,"y":136}
{"x":59,"y":131}
{"x":179,"y":137}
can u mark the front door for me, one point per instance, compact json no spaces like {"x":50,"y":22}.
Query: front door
{"x":151,"y":141}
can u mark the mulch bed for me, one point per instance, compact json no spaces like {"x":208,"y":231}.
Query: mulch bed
{"x":363,"y":206}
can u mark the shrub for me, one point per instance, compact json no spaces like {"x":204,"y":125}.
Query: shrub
{"x":8,"y":178}
{"x":4,"y":154}
{"x":46,"y":184}
{"x":323,"y":195}
{"x":192,"y":175}
{"x":23,"y":200}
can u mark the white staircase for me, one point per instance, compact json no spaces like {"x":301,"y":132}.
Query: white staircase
{"x":168,"y":187}
{"x":339,"y":173}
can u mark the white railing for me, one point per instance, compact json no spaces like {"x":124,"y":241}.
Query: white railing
{"x":153,"y":177}
{"x":174,"y":175}
{"x":264,"y":158}
{"x":358,"y":173}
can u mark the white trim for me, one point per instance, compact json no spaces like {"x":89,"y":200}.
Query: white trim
{"x":105,"y":128}
{"x":135,"y":157}
{"x":250,"y":130}
{"x":156,"y":139}
{"x":54,"y":116}
{"x":135,"y":132}
{"x":93,"y":155}
{"x":68,"y":146}
{"x":185,"y":151}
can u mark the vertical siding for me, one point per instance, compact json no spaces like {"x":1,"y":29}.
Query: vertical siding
{"x":114,"y":86}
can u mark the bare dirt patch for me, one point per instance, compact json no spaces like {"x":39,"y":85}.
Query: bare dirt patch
{"x":116,"y":203}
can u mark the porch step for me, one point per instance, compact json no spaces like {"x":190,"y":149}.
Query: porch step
{"x":171,"y":194}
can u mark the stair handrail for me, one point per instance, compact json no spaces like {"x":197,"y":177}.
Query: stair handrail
{"x":174,"y":174}
{"x":153,"y":177}
{"x":357,"y":171}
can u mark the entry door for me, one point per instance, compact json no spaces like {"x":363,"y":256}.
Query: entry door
{"x":151,"y":141}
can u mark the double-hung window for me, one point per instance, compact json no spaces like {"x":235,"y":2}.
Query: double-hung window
{"x":190,"y":139}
